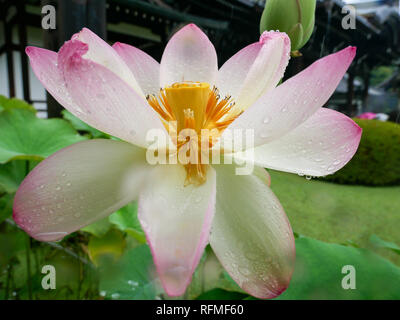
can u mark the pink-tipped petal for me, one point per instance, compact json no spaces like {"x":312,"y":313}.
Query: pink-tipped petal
{"x":177,"y":220}
{"x":262,"y":174}
{"x":107,"y":102}
{"x":145,"y":69}
{"x":188,"y":56}
{"x":255,"y":69}
{"x":44,"y":65}
{"x":78,"y":185}
{"x":102,"y":53}
{"x":290,"y":104}
{"x":322,"y":145}
{"x":251,"y":235}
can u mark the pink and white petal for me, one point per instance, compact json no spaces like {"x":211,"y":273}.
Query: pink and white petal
{"x":255,"y":69}
{"x":102,"y":53}
{"x":290,"y":104}
{"x":263,"y":175}
{"x":107,"y":102}
{"x":78,"y":185}
{"x":251,"y":235}
{"x":188,"y":56}
{"x":145,"y":69}
{"x":177,"y":220}
{"x":44,"y":65}
{"x":322,"y":145}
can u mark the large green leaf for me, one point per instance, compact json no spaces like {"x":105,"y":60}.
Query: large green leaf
{"x":12,"y":174}
{"x":98,"y":228}
{"x":24,"y":136}
{"x":126,"y":220}
{"x":380,"y":243}
{"x":132,"y":277}
{"x":318,"y":273}
{"x":14,"y":103}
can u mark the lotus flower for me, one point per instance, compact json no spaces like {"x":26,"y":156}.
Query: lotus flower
{"x":367,"y":115}
{"x":182,"y":208}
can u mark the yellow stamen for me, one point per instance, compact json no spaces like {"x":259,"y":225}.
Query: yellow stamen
{"x":195,"y":106}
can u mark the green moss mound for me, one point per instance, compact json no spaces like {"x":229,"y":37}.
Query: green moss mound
{"x":377,"y":160}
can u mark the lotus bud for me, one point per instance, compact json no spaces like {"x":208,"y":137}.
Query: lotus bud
{"x":295,"y":17}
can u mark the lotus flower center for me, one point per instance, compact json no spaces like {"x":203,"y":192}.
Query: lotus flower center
{"x":189,"y":109}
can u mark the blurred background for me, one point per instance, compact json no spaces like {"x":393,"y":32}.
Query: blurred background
{"x":349,"y":218}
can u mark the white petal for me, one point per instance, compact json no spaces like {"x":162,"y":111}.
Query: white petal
{"x":78,"y":185}
{"x":188,"y":56}
{"x":290,"y":104}
{"x":322,"y":145}
{"x":145,"y":69}
{"x":251,"y":235}
{"x":177,"y":221}
{"x":255,"y":69}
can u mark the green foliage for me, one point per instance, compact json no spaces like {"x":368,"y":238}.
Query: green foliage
{"x":110,"y":246}
{"x":98,"y":228}
{"x":14,"y":103}
{"x":318,"y":273}
{"x":12,"y":173}
{"x":125,"y":219}
{"x":378,"y":242}
{"x":6,"y":203}
{"x":24,"y":136}
{"x":132,"y":277}
{"x":337,"y":213}
{"x":377,"y":160}
{"x":380,"y":74}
